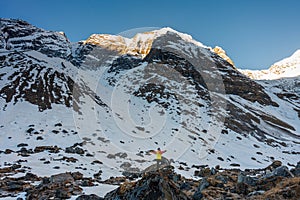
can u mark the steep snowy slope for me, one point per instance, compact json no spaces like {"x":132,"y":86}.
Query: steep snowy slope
{"x":101,"y":104}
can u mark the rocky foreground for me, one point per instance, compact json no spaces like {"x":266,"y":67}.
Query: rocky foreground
{"x":273,"y":182}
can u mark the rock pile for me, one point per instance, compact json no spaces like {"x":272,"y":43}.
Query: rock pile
{"x":59,"y":186}
{"x":274,"y":181}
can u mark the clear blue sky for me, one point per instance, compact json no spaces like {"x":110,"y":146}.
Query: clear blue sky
{"x":254,"y":33}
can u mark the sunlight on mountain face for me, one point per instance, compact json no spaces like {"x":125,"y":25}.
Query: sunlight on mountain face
{"x":139,"y":44}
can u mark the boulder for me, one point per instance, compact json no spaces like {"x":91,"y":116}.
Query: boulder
{"x":274,"y":165}
{"x":62,"y":178}
{"x":281,"y":171}
{"x":213,"y":171}
{"x":203,"y":184}
{"x":75,"y":150}
{"x":248,"y":180}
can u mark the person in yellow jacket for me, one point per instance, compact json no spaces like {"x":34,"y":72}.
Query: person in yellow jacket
{"x":158,"y":153}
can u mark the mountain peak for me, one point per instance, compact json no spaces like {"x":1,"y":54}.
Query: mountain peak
{"x":287,"y":67}
{"x":292,"y":60}
{"x":139,"y":44}
{"x":297,"y":53}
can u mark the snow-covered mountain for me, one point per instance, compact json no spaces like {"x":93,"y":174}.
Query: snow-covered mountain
{"x":288,"y":67}
{"x":104,"y":102}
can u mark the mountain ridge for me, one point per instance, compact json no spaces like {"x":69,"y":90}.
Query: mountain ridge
{"x":277,"y":70}
{"x":129,"y":46}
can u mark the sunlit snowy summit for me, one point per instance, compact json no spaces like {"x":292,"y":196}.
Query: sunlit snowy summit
{"x":288,"y":67}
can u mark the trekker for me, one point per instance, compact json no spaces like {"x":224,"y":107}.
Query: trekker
{"x":158,"y":153}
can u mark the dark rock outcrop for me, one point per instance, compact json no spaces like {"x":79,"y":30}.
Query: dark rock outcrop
{"x":223,"y":184}
{"x":155,"y":185}
{"x":19,"y":35}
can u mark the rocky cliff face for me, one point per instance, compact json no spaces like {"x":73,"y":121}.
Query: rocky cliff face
{"x":19,"y":35}
{"x":119,"y":97}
